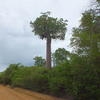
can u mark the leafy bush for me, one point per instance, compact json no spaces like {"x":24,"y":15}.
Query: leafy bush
{"x":0,"y":79}
{"x":59,"y":79}
{"x":74,"y":77}
{"x":40,"y":82}
{"x":85,"y":84}
{"x":6,"y":76}
{"x":33,"y":78}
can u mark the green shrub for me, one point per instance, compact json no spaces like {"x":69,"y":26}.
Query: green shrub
{"x":7,"y":74}
{"x":0,"y":79}
{"x":85,"y":85}
{"x":58,"y":80}
{"x":33,"y":78}
{"x":75,"y":78}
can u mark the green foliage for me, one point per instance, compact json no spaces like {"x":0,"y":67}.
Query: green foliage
{"x":85,"y":38}
{"x":49,"y":28}
{"x":86,"y":67}
{"x":39,"y":61}
{"x":79,"y":76}
{"x":7,"y":74}
{"x":75,"y":77}
{"x":46,"y":26}
{"x":20,"y":77}
{"x":40,"y":83}
{"x":0,"y":78}
{"x":98,"y":1}
{"x":58,"y":81}
{"x":33,"y":78}
{"x":60,"y":56}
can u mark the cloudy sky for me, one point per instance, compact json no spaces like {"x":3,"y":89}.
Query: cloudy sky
{"x":17,"y":43}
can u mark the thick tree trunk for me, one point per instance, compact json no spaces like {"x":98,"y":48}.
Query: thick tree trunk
{"x":48,"y":53}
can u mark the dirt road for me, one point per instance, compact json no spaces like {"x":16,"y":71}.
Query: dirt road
{"x":6,"y":93}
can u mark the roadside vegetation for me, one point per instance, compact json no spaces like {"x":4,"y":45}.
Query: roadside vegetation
{"x":75,"y":74}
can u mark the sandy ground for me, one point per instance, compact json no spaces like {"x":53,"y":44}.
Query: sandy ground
{"x":7,"y":93}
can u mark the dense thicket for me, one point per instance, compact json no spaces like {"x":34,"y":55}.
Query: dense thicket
{"x":75,"y":78}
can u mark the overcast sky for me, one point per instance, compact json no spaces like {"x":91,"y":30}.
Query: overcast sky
{"x":17,"y":43}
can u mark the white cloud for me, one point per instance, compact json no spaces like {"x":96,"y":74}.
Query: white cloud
{"x":17,"y":42}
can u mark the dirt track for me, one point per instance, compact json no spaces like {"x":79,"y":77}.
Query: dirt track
{"x":6,"y":93}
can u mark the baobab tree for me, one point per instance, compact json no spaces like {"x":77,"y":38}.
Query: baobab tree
{"x":49,"y":28}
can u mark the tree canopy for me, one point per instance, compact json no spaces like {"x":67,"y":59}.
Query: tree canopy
{"x":39,"y":61}
{"x":45,"y":26}
{"x":60,"y":56}
{"x":86,"y":38}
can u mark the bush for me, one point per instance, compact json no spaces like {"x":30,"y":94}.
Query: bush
{"x":85,"y":84}
{"x":0,"y":79}
{"x":59,"y":79}
{"x":75,"y":78}
{"x":7,"y":74}
{"x":33,"y":78}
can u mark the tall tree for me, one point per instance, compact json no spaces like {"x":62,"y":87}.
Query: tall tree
{"x":49,"y":28}
{"x":39,"y":61}
{"x":86,"y":39}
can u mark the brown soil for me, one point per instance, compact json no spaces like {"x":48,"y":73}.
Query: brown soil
{"x":7,"y":93}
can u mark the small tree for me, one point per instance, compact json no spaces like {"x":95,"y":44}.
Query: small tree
{"x":49,"y":28}
{"x":60,"y":56}
{"x":39,"y":61}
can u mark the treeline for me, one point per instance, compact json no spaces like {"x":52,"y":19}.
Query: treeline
{"x":76,"y":78}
